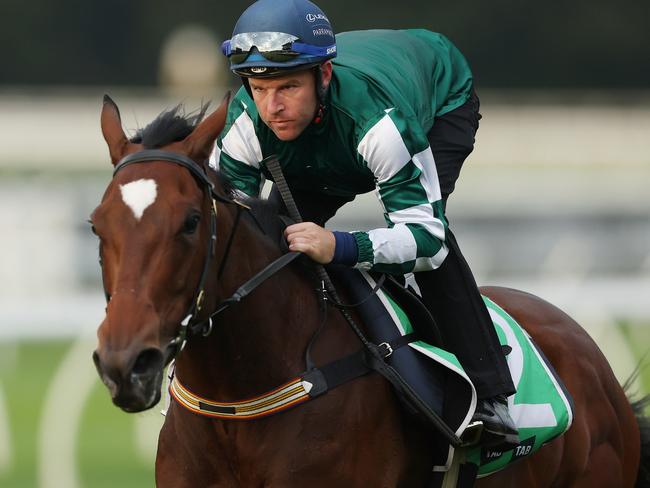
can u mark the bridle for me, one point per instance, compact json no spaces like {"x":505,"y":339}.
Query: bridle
{"x":192,"y":324}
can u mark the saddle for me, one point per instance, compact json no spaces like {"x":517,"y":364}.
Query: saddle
{"x":541,"y":408}
{"x":388,"y":315}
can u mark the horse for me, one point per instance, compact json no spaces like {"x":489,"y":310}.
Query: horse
{"x":173,"y":238}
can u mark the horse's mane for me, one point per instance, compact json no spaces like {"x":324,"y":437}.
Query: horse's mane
{"x":266,"y":213}
{"x":175,"y":125}
{"x":170,"y":126}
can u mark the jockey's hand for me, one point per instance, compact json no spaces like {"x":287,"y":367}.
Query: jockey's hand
{"x":313,"y":240}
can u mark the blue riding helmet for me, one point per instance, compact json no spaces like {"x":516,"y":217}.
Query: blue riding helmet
{"x":274,"y":37}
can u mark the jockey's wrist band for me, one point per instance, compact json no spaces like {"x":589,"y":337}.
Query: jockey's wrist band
{"x":346,"y":251}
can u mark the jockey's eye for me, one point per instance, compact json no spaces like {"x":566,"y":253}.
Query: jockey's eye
{"x":191,"y":223}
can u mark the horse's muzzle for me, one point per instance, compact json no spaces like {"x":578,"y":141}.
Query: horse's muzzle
{"x":134,"y":385}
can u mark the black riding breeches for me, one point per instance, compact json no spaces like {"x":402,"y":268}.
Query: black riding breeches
{"x":449,"y":292}
{"x":452,"y":296}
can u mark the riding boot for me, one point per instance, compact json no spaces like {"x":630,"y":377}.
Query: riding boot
{"x":451,"y":295}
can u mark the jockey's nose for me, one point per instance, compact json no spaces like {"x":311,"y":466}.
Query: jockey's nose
{"x":274,"y":104}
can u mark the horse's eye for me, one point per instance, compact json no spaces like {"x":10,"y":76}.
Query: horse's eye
{"x":191,"y":223}
{"x":92,"y":227}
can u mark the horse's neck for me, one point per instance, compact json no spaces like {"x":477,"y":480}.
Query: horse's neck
{"x":259,"y":343}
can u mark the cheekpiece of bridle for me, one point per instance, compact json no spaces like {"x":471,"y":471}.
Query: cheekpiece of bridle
{"x":190,"y":322}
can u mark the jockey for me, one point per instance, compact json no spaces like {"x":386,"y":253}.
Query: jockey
{"x":394,"y":112}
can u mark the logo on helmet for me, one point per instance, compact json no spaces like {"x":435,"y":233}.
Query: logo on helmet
{"x":315,"y":17}
{"x":258,"y":70}
{"x":323,"y":32}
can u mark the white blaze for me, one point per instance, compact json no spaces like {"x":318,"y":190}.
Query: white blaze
{"x":138,"y":195}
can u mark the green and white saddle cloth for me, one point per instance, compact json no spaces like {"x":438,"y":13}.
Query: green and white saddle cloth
{"x":542,"y":409}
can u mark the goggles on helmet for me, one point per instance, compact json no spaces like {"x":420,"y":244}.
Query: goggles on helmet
{"x":277,"y":47}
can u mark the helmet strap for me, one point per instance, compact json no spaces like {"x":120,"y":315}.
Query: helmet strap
{"x":321,"y":93}
{"x":319,"y":114}
{"x":247,"y":85}
{"x":321,"y":90}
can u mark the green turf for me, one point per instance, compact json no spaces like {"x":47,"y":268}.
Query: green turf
{"x":24,"y":373}
{"x":105,"y":446}
{"x":106,"y":453}
{"x":112,"y":461}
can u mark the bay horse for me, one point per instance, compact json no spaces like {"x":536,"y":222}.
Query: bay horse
{"x":171,"y":227}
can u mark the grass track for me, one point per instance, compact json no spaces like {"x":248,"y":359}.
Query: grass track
{"x":107,"y":449}
{"x":106,"y":454}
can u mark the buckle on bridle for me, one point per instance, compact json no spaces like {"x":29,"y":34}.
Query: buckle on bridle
{"x":207,"y":328}
{"x":199,"y":300}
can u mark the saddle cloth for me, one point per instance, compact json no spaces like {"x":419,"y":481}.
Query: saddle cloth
{"x":542,"y":408}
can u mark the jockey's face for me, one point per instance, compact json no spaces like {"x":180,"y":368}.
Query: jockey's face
{"x":288,"y":104}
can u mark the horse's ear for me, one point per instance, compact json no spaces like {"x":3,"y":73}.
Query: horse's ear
{"x":112,"y":130}
{"x":200,"y":142}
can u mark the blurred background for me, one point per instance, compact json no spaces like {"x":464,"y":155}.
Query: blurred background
{"x":554,"y":200}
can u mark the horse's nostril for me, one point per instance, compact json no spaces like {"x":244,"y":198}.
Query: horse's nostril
{"x":96,"y":361}
{"x":149,"y":361}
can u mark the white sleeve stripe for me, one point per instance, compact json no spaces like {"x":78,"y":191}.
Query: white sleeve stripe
{"x":427,"y":264}
{"x":384,"y":150}
{"x":393,"y":246}
{"x":215,"y":157}
{"x":241,"y":142}
{"x":422,"y":215}
{"x":428,"y":174}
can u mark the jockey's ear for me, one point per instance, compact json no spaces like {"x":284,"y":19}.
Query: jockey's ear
{"x":112,"y":130}
{"x":200,"y":142}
